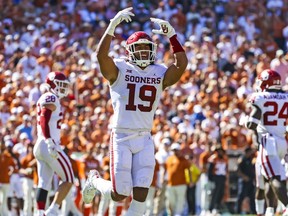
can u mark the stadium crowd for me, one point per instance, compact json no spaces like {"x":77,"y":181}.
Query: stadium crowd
{"x":228,"y":42}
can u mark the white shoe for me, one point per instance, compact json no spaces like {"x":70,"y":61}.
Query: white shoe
{"x":269,"y":211}
{"x":89,"y":190}
{"x":40,"y":213}
{"x":52,"y":212}
{"x":285,"y":212}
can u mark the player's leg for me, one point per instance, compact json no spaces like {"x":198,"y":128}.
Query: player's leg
{"x":142,"y":174}
{"x":120,"y":185}
{"x":277,"y":178}
{"x":63,"y":168}
{"x":45,"y":174}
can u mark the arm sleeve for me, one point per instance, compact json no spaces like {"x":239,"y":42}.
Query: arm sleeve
{"x":44,"y":121}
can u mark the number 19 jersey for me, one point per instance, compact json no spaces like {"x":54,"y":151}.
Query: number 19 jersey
{"x":135,"y":95}
{"x":274,"y":109}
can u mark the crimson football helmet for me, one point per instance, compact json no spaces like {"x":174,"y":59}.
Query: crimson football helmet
{"x":268,"y":79}
{"x":141,"y":57}
{"x":58,"y":83}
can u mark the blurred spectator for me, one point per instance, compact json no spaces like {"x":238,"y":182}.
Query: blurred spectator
{"x":280,"y":64}
{"x":28,"y":165}
{"x":218,"y":174}
{"x":246,"y":172}
{"x":176,"y":182}
{"x":26,"y":127}
{"x":192,"y":175}
{"x":7,"y":167}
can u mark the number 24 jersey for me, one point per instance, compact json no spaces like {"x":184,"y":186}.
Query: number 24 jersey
{"x":274,"y":109}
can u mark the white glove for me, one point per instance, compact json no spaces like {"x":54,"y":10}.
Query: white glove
{"x":29,"y":170}
{"x":52,"y":148}
{"x":165,"y":27}
{"x":243,"y":120}
{"x":119,"y":17}
{"x":286,"y":158}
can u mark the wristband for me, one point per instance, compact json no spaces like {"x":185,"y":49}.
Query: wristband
{"x":110,"y":30}
{"x":176,"y":46}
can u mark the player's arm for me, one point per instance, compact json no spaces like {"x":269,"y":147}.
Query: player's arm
{"x":45,"y":116}
{"x":254,"y":118}
{"x":174,"y":71}
{"x":107,"y":65}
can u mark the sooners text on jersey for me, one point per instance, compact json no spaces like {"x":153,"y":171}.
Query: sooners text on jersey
{"x":135,"y":95}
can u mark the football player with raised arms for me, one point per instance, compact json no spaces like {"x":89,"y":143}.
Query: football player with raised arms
{"x":268,"y":120}
{"x":136,"y":84}
{"x":48,"y":153}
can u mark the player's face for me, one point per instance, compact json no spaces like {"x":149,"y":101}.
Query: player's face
{"x":63,"y":87}
{"x":144,"y":48}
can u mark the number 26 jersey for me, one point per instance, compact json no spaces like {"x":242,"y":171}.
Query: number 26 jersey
{"x":274,"y":109}
{"x":135,"y":95}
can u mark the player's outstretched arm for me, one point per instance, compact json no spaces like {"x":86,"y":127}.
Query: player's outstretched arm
{"x":107,"y":65}
{"x":175,"y":71}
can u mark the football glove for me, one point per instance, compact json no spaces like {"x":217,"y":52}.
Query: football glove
{"x":52,"y":148}
{"x":165,"y":27}
{"x":243,"y":120}
{"x":119,"y":17}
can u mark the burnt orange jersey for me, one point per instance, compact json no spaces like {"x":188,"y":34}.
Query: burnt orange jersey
{"x":25,"y":163}
{"x":6,"y":164}
{"x":156,"y":170}
{"x":175,"y":167}
{"x":203,"y":160}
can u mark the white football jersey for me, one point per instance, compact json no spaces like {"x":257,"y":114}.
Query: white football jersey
{"x":274,"y":108}
{"x":56,"y":117}
{"x":135,"y":95}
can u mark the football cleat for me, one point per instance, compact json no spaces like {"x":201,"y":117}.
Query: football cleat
{"x":52,"y":212}
{"x":89,"y":190}
{"x":40,"y":213}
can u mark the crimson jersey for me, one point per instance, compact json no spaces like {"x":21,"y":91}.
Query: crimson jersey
{"x":274,"y":109}
{"x":56,"y":117}
{"x":136,"y":94}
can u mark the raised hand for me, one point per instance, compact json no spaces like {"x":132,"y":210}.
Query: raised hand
{"x":165,"y":27}
{"x":119,"y":17}
{"x":124,"y":14}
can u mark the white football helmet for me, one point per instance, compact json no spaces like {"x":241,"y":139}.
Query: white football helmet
{"x":58,"y":83}
{"x":135,"y":56}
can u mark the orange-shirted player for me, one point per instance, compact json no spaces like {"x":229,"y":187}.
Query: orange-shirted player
{"x":28,"y":165}
{"x":218,"y":173}
{"x":7,"y":165}
{"x":176,"y":182}
{"x":152,"y":191}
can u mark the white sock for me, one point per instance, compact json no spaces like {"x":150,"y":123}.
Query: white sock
{"x":54,"y":206}
{"x":136,"y":208}
{"x":104,"y":186}
{"x":269,"y":210}
{"x":259,"y":205}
